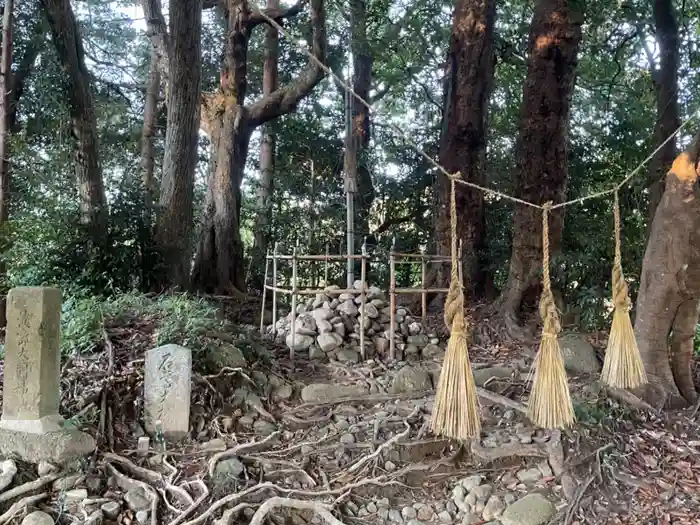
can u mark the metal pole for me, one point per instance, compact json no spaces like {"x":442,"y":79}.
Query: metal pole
{"x":275,"y":284}
{"x":392,"y":301}
{"x":264,"y":292}
{"x":294,"y":302}
{"x":363,"y":297}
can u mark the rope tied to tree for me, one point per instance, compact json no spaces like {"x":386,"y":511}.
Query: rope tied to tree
{"x":621,"y":298}
{"x":454,"y":302}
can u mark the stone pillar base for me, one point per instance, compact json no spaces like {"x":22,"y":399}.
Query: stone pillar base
{"x":43,"y":440}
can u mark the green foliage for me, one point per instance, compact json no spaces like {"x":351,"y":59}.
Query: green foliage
{"x":178,"y":319}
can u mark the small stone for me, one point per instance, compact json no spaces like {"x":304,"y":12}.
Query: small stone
{"x":263,"y":428}
{"x":470,"y":519}
{"x":347,"y":308}
{"x":383,"y":513}
{"x":425,"y":513}
{"x":142,"y":517}
{"x":301,"y":342}
{"x":227,"y":469}
{"x":389,"y":466}
{"x":111,"y":509}
{"x":283,"y":392}
{"x":415,"y":522}
{"x":142,"y":446}
{"x":227,"y":423}
{"x":371,"y":507}
{"x":509,"y":498}
{"x":482,"y":492}
{"x":545,"y":469}
{"x":75,"y":496}
{"x":451,"y":507}
{"x":67,"y":482}
{"x":383,"y":503}
{"x":411,"y":379}
{"x":471,"y":482}
{"x":395,"y":516}
{"x":445,"y":517}
{"x":137,"y":499}
{"x":329,"y":341}
{"x":347,"y":355}
{"x":44,"y":468}
{"x":214,"y":445}
{"x":530,"y":475}
{"x":533,"y":509}
{"x":432,"y":351}
{"x":323,"y":326}
{"x":458,"y":494}
{"x":347,"y":439}
{"x":409,"y":513}
{"x":246,"y":421}
{"x":494,"y":508}
{"x":37,"y":518}
{"x":479,"y":507}
{"x":469,"y":500}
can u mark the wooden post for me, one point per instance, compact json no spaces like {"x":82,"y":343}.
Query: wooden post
{"x":363,"y":297}
{"x":392,"y":301}
{"x":294,"y":302}
{"x":275,"y":284}
{"x":264,"y":293}
{"x":424,"y":293}
{"x":325,"y":277}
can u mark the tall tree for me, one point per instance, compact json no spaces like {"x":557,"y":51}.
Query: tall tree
{"x":541,"y":169}
{"x":88,"y":170}
{"x":174,"y":223}
{"x":470,"y":65}
{"x":150,"y":112}
{"x":267,"y":144}
{"x":219,"y":262}
{"x":666,"y":85}
{"x":669,"y":289}
{"x":5,"y":100}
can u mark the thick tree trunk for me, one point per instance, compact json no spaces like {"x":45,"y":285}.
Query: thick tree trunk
{"x":666,"y":85}
{"x":267,"y":145}
{"x":463,"y":144}
{"x":542,"y":145}
{"x":669,"y":288}
{"x":150,"y":112}
{"x":174,"y":225}
{"x":69,"y":46}
{"x":219,"y":264}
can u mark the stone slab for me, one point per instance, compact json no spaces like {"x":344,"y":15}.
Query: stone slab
{"x":167,"y":391}
{"x":32,"y":355}
{"x":58,"y":448}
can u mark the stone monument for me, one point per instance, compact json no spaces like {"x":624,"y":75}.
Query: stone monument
{"x":31,"y":426}
{"x":167,"y":390}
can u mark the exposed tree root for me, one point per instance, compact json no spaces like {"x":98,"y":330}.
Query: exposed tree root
{"x":322,"y":510}
{"x":21,"y":505}
{"x":29,"y":487}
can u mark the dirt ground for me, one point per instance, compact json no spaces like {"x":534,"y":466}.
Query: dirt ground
{"x":357,"y":449}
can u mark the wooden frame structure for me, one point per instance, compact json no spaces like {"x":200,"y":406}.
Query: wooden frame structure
{"x":395,"y":258}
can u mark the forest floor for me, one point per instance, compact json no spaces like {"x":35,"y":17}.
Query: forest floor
{"x":310,"y":442}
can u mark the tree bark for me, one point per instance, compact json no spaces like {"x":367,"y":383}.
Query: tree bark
{"x":174,"y":224}
{"x":150,"y":112}
{"x":219,"y":266}
{"x":267,"y":145}
{"x":463,"y":145}
{"x":669,"y":288}
{"x":667,"y":113}
{"x":541,"y":169}
{"x":69,"y":46}
{"x":5,"y":100}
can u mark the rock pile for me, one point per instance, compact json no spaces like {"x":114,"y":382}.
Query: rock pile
{"x":329,"y":325}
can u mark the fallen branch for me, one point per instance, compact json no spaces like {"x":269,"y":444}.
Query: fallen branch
{"x":189,"y":510}
{"x":31,"y":486}
{"x":126,"y":483}
{"x":238,"y":450}
{"x":21,"y":505}
{"x":322,"y":510}
{"x":501,"y":400}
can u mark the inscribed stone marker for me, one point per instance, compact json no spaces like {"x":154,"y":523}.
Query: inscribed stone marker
{"x":167,"y":390}
{"x":31,"y":426}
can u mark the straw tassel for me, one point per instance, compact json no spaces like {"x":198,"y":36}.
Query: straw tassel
{"x":456,"y":409}
{"x":623,"y":367}
{"x":550,"y":403}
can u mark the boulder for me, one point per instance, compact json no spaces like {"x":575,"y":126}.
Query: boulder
{"x":305,"y":325}
{"x":301,"y":342}
{"x":329,"y":341}
{"x":411,"y":379}
{"x":579,"y":355}
{"x":347,"y":308}
{"x":533,"y":509}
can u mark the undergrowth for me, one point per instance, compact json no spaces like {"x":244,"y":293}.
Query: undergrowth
{"x":180,"y":319}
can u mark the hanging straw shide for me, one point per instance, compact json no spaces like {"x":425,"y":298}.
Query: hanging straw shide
{"x":550,"y":403}
{"x":456,"y":409}
{"x":623,"y":367}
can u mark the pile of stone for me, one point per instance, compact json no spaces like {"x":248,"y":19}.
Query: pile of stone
{"x":329,"y":325}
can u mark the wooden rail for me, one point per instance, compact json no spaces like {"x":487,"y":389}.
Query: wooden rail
{"x":395,"y":258}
